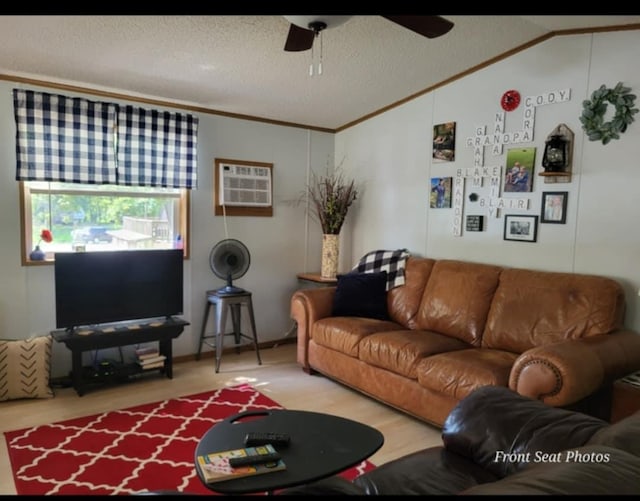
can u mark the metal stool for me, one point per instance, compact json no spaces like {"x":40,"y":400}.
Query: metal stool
{"x":234,"y":302}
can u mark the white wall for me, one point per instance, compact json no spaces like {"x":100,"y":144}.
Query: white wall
{"x":391,"y":155}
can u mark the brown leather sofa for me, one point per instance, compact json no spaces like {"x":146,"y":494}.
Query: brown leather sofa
{"x":455,"y":326}
{"x":496,"y":442}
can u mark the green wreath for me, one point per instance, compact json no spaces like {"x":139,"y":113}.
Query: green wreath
{"x":594,"y":109}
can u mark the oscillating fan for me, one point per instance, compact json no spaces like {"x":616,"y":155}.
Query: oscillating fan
{"x":229,"y":260}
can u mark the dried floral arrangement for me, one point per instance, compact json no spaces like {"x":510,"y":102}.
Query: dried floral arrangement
{"x":331,"y":195}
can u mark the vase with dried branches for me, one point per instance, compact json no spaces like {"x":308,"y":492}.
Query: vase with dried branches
{"x":330,"y":196}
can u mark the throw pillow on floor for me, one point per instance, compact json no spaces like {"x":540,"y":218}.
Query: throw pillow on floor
{"x":25,"y":368}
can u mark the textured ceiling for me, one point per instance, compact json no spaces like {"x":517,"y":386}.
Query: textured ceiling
{"x":237,"y":64}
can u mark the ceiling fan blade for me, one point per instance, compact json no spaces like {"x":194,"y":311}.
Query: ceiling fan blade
{"x":299,"y":39}
{"x":428,"y":26}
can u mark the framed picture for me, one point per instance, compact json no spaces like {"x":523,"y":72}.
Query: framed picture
{"x":440,"y":196}
{"x":475,"y":223}
{"x":444,"y":142}
{"x":520,"y":228}
{"x":518,"y":175}
{"x":554,"y":207}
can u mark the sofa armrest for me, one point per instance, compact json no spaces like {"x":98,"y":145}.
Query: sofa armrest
{"x":561,"y":374}
{"x":308,"y":306}
{"x":502,"y":431}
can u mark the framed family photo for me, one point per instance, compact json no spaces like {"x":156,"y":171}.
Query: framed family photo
{"x":554,"y":207}
{"x":444,"y":142}
{"x":518,"y":175}
{"x":520,"y":228}
{"x":440,"y":197}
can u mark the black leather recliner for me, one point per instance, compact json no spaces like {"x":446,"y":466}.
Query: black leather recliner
{"x":498,"y":442}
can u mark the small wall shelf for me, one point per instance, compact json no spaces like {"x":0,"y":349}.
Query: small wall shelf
{"x":556,"y":177}
{"x":555,"y":174}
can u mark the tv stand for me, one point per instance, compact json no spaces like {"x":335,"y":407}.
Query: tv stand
{"x":81,"y":339}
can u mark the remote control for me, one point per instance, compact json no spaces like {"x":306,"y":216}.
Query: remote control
{"x":262,"y":438}
{"x":255,"y":459}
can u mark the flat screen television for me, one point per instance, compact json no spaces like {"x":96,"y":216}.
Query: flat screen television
{"x":113,"y":286}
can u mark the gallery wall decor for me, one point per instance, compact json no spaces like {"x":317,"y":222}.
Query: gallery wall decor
{"x":520,"y":228}
{"x":444,"y":142}
{"x":510,"y":100}
{"x":440,"y":196}
{"x":594,"y":110}
{"x":519,"y":170}
{"x":475,"y":223}
{"x":495,"y":140}
{"x":554,"y":207}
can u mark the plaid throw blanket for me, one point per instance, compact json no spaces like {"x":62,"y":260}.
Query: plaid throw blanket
{"x":391,"y":261}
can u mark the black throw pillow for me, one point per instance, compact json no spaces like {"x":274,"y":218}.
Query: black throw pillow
{"x":361,"y":295}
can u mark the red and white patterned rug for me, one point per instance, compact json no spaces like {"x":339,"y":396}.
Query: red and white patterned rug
{"x":139,"y":449}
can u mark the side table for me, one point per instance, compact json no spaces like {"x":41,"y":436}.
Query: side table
{"x":316,"y":280}
{"x":625,"y":398}
{"x":309,"y":281}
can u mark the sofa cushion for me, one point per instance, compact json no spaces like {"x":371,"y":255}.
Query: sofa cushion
{"x":401,"y":351}
{"x":457,"y":298}
{"x":404,"y":302}
{"x":458,"y":373}
{"x":361,"y":295}
{"x":25,"y":367}
{"x":551,"y":307}
{"x":391,"y":261}
{"x":344,"y":334}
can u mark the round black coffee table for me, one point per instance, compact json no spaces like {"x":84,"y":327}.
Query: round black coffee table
{"x":321,"y":445}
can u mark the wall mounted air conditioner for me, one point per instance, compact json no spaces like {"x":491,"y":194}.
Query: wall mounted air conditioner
{"x":241,"y":185}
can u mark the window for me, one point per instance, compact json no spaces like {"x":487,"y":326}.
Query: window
{"x":101,"y":176}
{"x":102,"y":217}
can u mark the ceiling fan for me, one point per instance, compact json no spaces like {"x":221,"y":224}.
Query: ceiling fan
{"x":304,"y":29}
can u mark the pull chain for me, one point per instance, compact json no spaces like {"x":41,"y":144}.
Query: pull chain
{"x":320,"y":63}
{"x":319,"y":72}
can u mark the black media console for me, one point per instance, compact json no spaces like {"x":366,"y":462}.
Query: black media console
{"x":83,"y":339}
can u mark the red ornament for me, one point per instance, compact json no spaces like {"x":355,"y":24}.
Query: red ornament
{"x":510,"y":100}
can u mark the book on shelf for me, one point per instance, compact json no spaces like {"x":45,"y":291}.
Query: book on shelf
{"x":152,"y":360}
{"x":144,"y":353}
{"x":149,"y":355}
{"x":215,"y":466}
{"x":155,"y":365}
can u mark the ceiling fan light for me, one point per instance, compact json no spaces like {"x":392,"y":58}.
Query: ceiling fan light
{"x":306,"y":21}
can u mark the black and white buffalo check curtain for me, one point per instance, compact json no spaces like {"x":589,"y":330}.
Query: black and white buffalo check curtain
{"x":157,"y":148}
{"x":75,"y":140}
{"x":58,"y":138}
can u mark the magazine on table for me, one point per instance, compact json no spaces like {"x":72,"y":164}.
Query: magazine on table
{"x":215,"y":466}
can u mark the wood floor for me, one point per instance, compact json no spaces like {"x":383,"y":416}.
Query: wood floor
{"x":279,"y":377}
